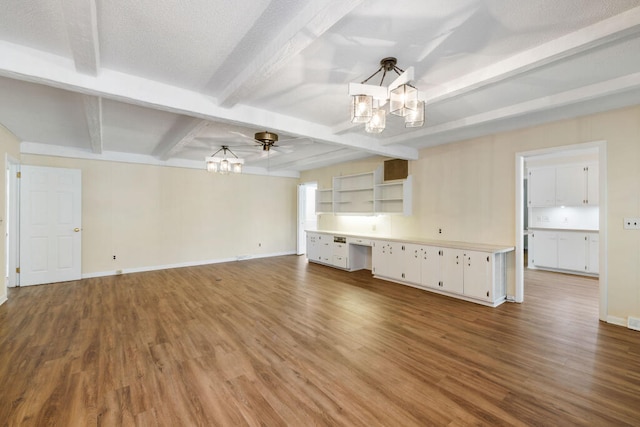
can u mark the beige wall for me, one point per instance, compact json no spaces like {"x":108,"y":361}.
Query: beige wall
{"x":9,"y":146}
{"x":468,"y":189}
{"x":151,"y":216}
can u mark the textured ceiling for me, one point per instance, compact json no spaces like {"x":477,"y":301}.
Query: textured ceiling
{"x":168,"y":82}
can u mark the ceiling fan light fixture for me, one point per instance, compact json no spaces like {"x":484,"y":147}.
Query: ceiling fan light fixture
{"x":415,"y":118}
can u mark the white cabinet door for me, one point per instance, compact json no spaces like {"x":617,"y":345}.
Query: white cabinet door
{"x":325,"y":248}
{"x":313,"y":251}
{"x":388,"y":259}
{"x":430,"y":266}
{"x":545,"y":248}
{"x":451,"y":273}
{"x":542,"y":187}
{"x":477,"y":275}
{"x":571,"y":185}
{"x":412,"y":263}
{"x":593,"y":185}
{"x":594,"y":253}
{"x":572,"y":251}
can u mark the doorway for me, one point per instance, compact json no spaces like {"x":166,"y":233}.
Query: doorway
{"x":600,"y":147}
{"x":307,"y":219}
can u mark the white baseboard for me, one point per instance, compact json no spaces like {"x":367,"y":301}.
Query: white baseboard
{"x":617,"y":321}
{"x":3,"y":299}
{"x":182,"y":264}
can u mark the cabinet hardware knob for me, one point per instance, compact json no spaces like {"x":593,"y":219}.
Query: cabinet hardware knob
{"x":487,"y":293}
{"x":487,"y":258}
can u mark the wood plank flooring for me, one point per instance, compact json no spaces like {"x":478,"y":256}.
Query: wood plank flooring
{"x":279,"y":341}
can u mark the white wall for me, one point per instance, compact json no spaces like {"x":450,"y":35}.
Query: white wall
{"x":468,"y":190}
{"x":154,"y":217}
{"x":9,"y":146}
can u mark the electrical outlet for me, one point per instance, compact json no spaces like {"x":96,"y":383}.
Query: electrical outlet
{"x":631,"y":223}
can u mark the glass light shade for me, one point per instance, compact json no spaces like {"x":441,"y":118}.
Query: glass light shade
{"x":377,"y":122}
{"x":403,"y":100}
{"x":212,"y":165}
{"x":225,"y":167}
{"x":236,"y":167}
{"x":361,"y":108}
{"x":415,"y":119}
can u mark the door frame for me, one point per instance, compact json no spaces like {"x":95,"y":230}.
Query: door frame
{"x":602,"y":209}
{"x":12,"y":226}
{"x":301,"y":242}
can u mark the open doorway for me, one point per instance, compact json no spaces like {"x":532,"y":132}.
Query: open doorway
{"x":561,"y":222}
{"x":307,"y":219}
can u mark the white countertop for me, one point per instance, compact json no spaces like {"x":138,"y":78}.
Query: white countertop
{"x":582,"y":230}
{"x":481,"y":247}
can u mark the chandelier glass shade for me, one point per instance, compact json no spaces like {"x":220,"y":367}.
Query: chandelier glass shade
{"x":369,"y":102}
{"x":224,"y":165}
{"x":403,"y":100}
{"x":415,"y":118}
{"x":377,"y":122}
{"x":361,"y":108}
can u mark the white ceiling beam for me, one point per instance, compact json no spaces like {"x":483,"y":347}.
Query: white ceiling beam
{"x":26,"y":64}
{"x":179,"y":135}
{"x":575,"y":96}
{"x":313,"y":21}
{"x":609,"y":30}
{"x":142,"y":159}
{"x":93,"y":114}
{"x":319,"y":160}
{"x":82,"y":28}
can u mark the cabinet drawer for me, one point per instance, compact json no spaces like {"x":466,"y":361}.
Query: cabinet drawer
{"x":340,"y":261}
{"x":341,"y":249}
{"x":359,"y":241}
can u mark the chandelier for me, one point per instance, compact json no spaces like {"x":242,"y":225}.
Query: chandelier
{"x":368,"y":101}
{"x":224,"y":164}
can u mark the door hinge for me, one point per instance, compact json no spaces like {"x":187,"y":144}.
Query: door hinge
{"x":18,"y":270}
{"x":18,"y":174}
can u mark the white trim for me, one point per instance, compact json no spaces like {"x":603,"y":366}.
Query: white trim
{"x":614,"y":320}
{"x":3,"y":299}
{"x":182,"y":264}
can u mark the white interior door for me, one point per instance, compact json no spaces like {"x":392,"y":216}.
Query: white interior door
{"x":50,"y":225}
{"x":306,"y":213}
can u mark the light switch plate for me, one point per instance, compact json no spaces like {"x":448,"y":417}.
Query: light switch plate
{"x":631,"y":223}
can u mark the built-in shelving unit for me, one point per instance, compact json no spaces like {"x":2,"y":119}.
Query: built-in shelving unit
{"x":393,"y":197}
{"x":365,"y":194}
{"x":324,"y":201}
{"x":353,"y":194}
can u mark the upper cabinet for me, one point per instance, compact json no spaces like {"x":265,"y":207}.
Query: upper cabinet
{"x":365,"y":194}
{"x":567,"y":185}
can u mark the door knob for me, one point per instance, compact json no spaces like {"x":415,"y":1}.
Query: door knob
{"x":76,"y":229}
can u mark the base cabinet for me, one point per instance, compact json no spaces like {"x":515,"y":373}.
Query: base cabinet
{"x":473,"y":274}
{"x":322,"y":249}
{"x":570,"y":251}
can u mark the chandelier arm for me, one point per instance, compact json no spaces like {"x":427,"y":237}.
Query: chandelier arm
{"x":369,"y":78}
{"x":213,"y":155}
{"x":398,"y":70}
{"x":383,"y":76}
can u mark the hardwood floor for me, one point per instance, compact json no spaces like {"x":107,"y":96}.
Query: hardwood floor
{"x":279,"y":341}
